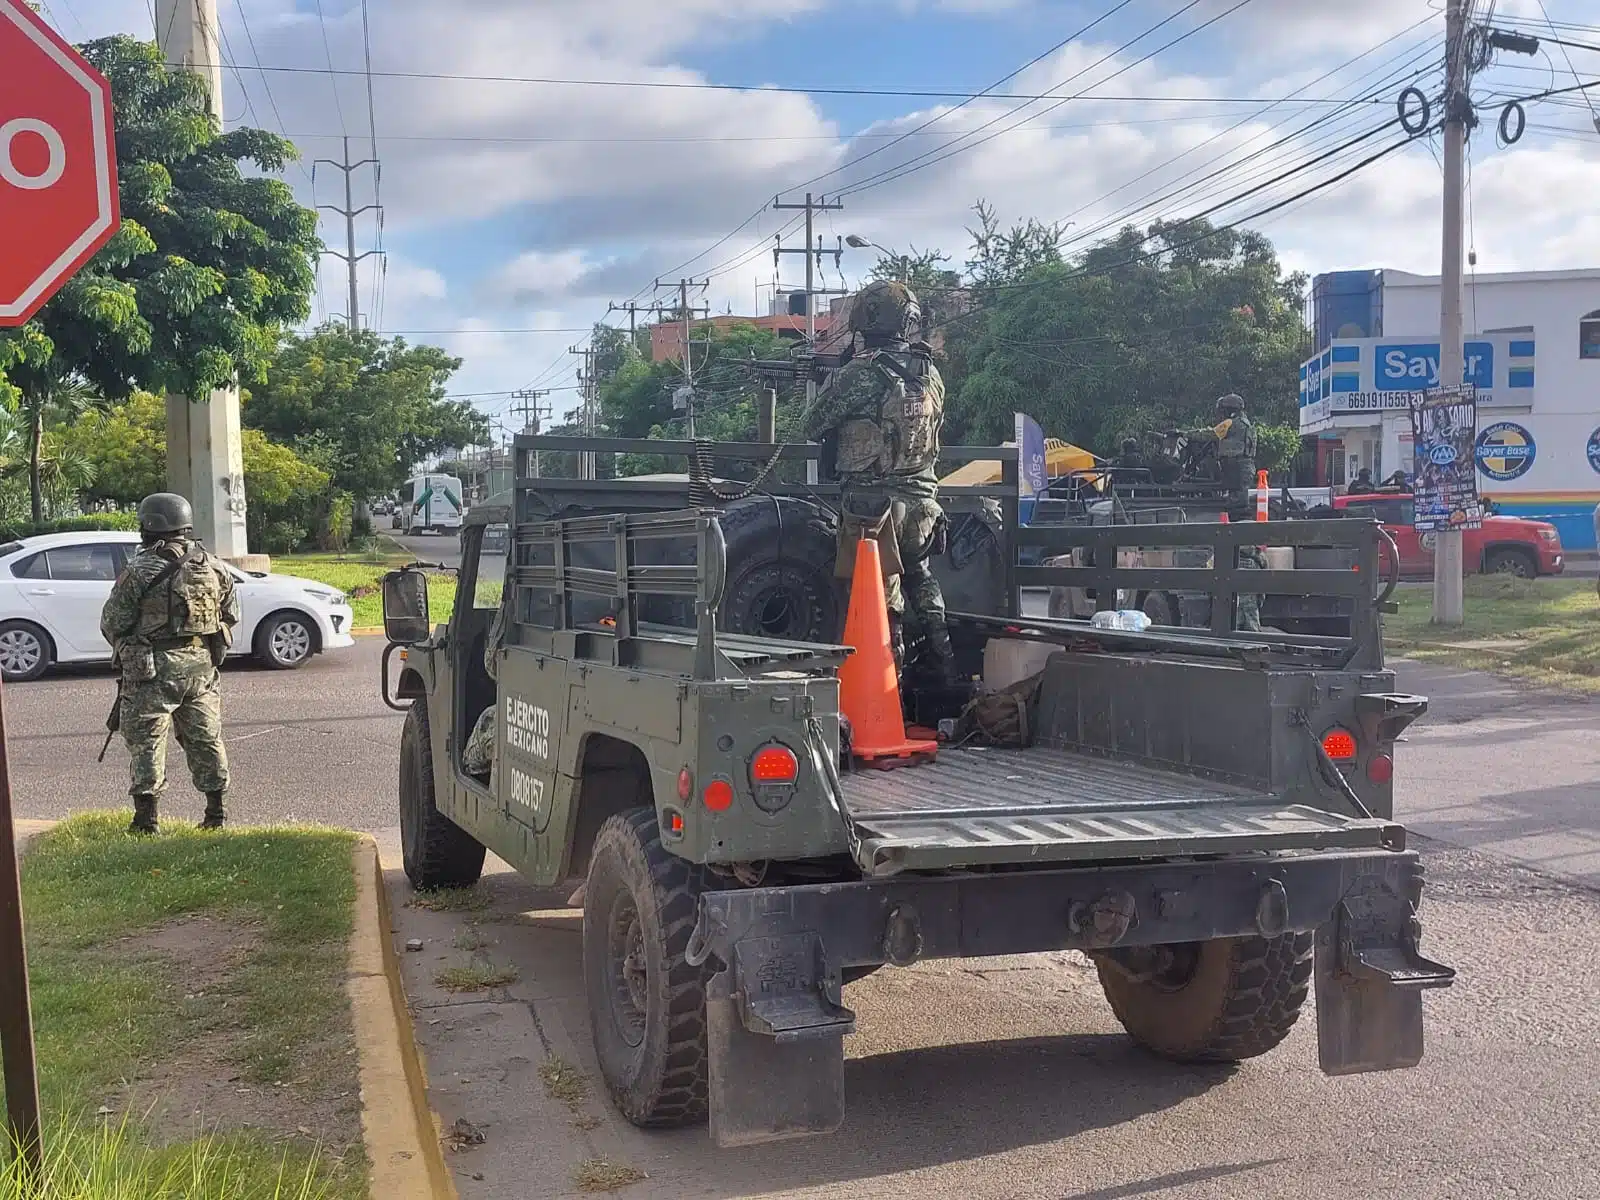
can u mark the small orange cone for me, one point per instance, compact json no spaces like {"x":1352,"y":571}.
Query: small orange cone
{"x":869,"y":688}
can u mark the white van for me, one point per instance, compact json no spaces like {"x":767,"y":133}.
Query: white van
{"x":429,"y":504}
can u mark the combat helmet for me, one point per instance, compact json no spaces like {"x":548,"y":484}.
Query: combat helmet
{"x":165,"y":512}
{"x":885,"y":310}
{"x":1231,"y":403}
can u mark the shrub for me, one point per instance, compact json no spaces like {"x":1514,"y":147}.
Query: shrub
{"x":11,"y":530}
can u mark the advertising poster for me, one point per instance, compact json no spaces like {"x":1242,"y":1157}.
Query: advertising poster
{"x":1444,"y":432}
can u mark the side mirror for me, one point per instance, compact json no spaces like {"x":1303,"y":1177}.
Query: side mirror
{"x":405,"y":607}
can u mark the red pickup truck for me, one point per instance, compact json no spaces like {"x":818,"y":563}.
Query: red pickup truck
{"x":1511,"y":545}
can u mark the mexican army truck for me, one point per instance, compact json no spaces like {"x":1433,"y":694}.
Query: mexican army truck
{"x":1207,"y":815}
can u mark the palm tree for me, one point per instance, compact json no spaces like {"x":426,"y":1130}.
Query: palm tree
{"x":57,"y":398}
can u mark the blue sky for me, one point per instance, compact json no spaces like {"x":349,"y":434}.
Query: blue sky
{"x":517,"y":206}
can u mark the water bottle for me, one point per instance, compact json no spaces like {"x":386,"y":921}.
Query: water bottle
{"x":1128,"y":620}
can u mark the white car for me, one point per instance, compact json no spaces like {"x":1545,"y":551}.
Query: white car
{"x":52,"y":589}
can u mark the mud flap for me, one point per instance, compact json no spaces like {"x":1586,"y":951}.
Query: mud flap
{"x":775,"y":1034}
{"x":1370,"y":978}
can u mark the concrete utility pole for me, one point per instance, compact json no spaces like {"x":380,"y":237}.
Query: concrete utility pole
{"x":813,"y":252}
{"x":586,"y":388}
{"x":1448,"y":607}
{"x":205,"y":455}
{"x":683,"y":397}
{"x":526,"y":402}
{"x":349,"y":212}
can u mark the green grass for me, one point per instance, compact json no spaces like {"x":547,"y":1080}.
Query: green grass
{"x":358,"y":575}
{"x":112,"y":1163}
{"x":1545,"y":631}
{"x":108,"y":1010}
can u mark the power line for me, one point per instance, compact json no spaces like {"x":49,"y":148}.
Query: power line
{"x":333,"y":81}
{"x":685,"y":85}
{"x":930,"y":157}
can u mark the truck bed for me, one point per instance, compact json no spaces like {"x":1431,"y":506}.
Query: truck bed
{"x":986,"y":806}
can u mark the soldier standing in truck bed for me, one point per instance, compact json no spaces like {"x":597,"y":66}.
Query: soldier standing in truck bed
{"x":1235,"y":439}
{"x":881,"y":415}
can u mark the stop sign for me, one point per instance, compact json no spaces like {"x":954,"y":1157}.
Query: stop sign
{"x":58,"y":162}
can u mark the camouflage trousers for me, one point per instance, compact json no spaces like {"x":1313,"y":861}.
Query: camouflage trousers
{"x":1251,"y":558}
{"x":914,"y":593}
{"x":185,"y":699}
{"x":477,"y":756}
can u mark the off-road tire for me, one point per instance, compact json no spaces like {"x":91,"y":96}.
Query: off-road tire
{"x":780,"y":570}
{"x":1241,"y":1000}
{"x":641,"y":902}
{"x":436,"y":851}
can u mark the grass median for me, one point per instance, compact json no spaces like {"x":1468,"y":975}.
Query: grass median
{"x":358,"y":576}
{"x":1545,"y":631}
{"x":193,"y":1031}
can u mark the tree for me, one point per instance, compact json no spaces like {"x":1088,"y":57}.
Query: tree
{"x":288,"y":495}
{"x":1142,"y":332}
{"x":209,"y":264}
{"x":376,"y":404}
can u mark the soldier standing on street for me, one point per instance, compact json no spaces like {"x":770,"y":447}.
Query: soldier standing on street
{"x":170,"y":622}
{"x":881,"y":415}
{"x":1235,"y":439}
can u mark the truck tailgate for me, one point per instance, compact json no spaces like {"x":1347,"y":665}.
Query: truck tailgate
{"x":980,"y":806}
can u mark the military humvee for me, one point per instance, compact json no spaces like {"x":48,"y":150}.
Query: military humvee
{"x":1207,"y":815}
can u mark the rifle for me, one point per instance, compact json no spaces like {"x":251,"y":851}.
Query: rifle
{"x":113,"y":722}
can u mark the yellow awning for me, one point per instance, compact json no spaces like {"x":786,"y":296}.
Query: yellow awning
{"x":1060,"y":457}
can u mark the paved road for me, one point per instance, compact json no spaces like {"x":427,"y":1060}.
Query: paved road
{"x":1002,"y":1077}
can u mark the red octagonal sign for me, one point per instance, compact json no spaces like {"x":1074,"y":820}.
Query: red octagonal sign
{"x":58,"y":162}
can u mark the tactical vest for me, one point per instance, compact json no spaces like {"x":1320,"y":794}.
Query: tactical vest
{"x":189,"y":603}
{"x":904,"y":439}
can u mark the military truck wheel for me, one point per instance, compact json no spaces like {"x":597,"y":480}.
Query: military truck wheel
{"x":437,"y":852}
{"x":780,"y":570}
{"x":646,"y":1005}
{"x":1216,"y":1001}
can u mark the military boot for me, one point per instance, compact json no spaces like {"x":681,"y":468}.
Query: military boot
{"x":215,"y":814}
{"x":144,"y":815}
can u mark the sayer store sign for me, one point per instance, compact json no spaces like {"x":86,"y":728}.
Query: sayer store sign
{"x":1384,"y":374}
{"x":1414,"y":367}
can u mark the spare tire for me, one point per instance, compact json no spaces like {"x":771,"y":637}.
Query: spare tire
{"x":780,"y":570}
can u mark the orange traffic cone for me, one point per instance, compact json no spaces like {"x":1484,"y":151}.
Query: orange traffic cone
{"x":869,"y":688}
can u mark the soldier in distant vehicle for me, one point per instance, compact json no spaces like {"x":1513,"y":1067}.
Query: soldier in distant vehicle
{"x":1131,"y":458}
{"x":1235,"y":439}
{"x":170,"y":620}
{"x":880,"y":417}
{"x":1362,"y":484}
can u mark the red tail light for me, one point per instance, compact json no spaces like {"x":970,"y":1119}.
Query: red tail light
{"x":775,"y":764}
{"x":685,"y":784}
{"x":1380,"y":769}
{"x":718,"y":795}
{"x":1340,"y":745}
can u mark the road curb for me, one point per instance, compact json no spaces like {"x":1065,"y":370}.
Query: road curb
{"x":399,"y":1129}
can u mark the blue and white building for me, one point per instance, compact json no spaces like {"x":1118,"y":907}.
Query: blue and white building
{"x":1535,"y":361}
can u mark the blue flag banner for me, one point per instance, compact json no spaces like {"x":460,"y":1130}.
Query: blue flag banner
{"x":1032,"y":476}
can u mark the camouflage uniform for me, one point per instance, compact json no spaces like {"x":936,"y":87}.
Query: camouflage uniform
{"x":477,"y":756}
{"x":160,"y":640}
{"x":1235,"y":439}
{"x":883,"y":411}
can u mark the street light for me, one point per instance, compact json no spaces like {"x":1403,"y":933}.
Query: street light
{"x":860,"y":243}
